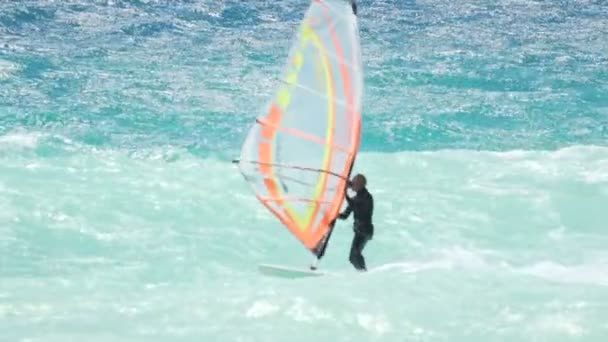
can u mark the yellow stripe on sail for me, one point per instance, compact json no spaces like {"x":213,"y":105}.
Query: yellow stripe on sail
{"x":310,"y":34}
{"x":283,"y":100}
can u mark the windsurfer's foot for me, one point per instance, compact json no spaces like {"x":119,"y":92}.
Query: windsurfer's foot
{"x":361,"y":268}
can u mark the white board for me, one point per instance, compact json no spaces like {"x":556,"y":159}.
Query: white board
{"x":288,"y":272}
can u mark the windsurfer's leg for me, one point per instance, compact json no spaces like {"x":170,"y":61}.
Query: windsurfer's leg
{"x":356,"y":247}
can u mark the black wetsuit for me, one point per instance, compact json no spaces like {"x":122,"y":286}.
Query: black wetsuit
{"x":362,"y":205}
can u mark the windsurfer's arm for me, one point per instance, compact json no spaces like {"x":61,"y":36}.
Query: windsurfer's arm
{"x":344,"y":215}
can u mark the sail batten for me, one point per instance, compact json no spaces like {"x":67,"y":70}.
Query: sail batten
{"x":303,"y":135}
{"x":295,"y":167}
{"x":298,"y":156}
{"x":289,"y":199}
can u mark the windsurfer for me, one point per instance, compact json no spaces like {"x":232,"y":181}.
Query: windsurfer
{"x":362,"y":207}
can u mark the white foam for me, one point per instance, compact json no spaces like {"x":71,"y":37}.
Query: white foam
{"x":7,"y":69}
{"x":377,"y":324}
{"x":302,"y":311}
{"x":593,"y":274}
{"x":561,"y":324}
{"x":261,"y":308}
{"x":28,"y":140}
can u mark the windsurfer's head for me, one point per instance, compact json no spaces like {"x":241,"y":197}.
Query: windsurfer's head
{"x":358,"y":182}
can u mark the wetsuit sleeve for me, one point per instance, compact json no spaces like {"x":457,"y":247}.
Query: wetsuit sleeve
{"x":344,"y":215}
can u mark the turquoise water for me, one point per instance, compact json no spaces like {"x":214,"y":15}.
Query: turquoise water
{"x":484,"y":142}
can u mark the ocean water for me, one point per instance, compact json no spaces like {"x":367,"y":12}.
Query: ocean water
{"x":484,"y":142}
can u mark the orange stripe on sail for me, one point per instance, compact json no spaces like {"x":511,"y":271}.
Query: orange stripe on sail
{"x":265,"y":156}
{"x":273,"y":119}
{"x":265,"y":151}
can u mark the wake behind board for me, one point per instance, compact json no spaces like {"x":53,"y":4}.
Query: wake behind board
{"x":287,"y":272}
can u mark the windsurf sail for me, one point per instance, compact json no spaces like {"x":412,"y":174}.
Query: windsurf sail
{"x":299,"y":153}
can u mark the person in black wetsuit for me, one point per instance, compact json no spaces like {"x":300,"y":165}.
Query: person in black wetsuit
{"x":362,"y":207}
